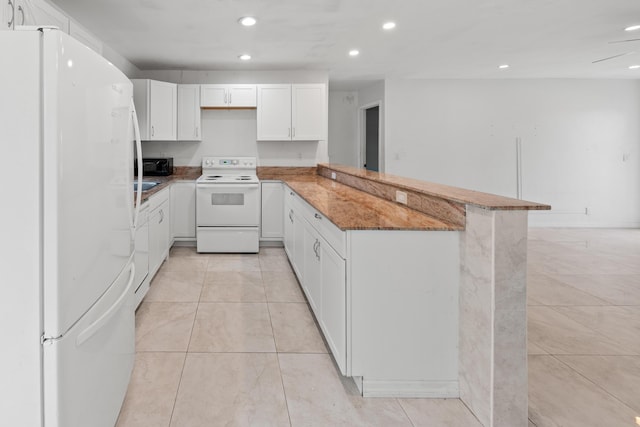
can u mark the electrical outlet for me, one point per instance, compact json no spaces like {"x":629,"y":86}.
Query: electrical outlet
{"x":333,"y":175}
{"x":401,"y":197}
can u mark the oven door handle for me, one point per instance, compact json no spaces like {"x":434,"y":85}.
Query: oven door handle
{"x":215,"y":187}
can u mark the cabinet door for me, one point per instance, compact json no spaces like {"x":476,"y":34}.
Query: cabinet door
{"x":6,"y":17}
{"x":164,"y":239}
{"x":308,"y":112}
{"x":213,"y":96}
{"x":162,"y":111}
{"x":39,"y":12}
{"x":189,"y":118}
{"x":288,"y":232}
{"x":183,"y":210}
{"x":159,"y":237}
{"x":81,"y":34}
{"x":274,"y":113}
{"x":312,"y":280}
{"x":298,"y":246}
{"x":333,"y":311}
{"x":272,"y":217}
{"x":155,"y":254}
{"x":242,"y":96}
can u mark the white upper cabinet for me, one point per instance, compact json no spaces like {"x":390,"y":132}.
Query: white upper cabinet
{"x":292,"y":112}
{"x":81,"y":34}
{"x":39,"y":12}
{"x":274,"y":112}
{"x":308,"y":112}
{"x":189,"y":118}
{"x":156,"y":106}
{"x":227,"y":96}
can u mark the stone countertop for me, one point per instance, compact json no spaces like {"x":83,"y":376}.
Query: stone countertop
{"x":454,"y":194}
{"x":179,"y":174}
{"x":351,"y":209}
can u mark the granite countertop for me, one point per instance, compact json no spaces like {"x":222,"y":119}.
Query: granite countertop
{"x":179,"y":174}
{"x":351,"y":209}
{"x":454,"y":194}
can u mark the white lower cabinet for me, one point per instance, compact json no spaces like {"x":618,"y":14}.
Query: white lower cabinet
{"x":333,"y":303}
{"x":386,"y":301}
{"x":183,"y":211}
{"x":159,"y":230}
{"x":312,"y":268}
{"x":271,"y":218}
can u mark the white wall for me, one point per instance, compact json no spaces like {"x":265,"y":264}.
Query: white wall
{"x":374,"y":93}
{"x":581,"y":142}
{"x":343,"y":127}
{"x":233,"y":132}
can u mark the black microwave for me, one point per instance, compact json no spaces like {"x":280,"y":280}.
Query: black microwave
{"x":156,"y":167}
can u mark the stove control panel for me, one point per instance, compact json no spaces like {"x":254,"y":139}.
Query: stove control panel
{"x":229,"y":162}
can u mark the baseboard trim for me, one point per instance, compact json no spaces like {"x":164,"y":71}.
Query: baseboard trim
{"x":407,"y":389}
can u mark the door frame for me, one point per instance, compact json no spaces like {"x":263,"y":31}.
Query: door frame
{"x":362,"y":113}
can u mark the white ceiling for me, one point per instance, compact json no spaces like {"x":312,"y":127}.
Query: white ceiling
{"x":433,"y":38}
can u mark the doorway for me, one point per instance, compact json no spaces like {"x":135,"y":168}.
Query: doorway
{"x":372,"y":138}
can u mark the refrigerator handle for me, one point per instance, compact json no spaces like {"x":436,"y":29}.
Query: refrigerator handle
{"x":102,"y":320}
{"x":136,"y":132}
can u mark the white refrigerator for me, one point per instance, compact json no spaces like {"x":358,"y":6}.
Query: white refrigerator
{"x":66,"y":218}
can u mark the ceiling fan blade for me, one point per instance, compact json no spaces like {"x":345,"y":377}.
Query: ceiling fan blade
{"x":612,"y":57}
{"x":624,"y":41}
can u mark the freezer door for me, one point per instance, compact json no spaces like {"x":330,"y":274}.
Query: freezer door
{"x":86,"y":373}
{"x":88,"y":173}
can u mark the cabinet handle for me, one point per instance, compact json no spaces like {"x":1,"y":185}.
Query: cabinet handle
{"x":153,"y":131}
{"x":316,"y":249}
{"x":161,"y":216}
{"x":21,"y":10}
{"x":225,"y":96}
{"x":229,"y":97}
{"x":318,"y":216}
{"x":289,"y":133}
{"x":196,"y":130}
{"x":291,"y":216}
{"x":13,"y":14}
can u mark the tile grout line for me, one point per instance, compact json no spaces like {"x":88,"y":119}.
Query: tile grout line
{"x":186,"y":353}
{"x":591,"y":381}
{"x":404,"y":411}
{"x":275,"y":345}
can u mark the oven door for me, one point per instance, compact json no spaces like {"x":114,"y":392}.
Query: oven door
{"x":228,"y":205}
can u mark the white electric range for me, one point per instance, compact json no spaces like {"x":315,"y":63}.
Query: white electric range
{"x":228,"y":205}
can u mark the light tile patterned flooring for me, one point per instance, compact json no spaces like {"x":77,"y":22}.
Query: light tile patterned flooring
{"x":228,"y":340}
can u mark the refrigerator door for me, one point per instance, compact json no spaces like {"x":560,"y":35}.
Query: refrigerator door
{"x":87,"y":178}
{"x":86,"y":372}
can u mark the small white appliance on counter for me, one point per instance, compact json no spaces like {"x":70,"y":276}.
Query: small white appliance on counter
{"x":228,"y":205}
{"x":67,"y":222}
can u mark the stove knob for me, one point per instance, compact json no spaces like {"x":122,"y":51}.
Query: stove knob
{"x":235,"y":162}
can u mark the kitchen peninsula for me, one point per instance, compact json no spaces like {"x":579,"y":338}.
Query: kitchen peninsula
{"x":478,"y":310}
{"x":425,"y":298}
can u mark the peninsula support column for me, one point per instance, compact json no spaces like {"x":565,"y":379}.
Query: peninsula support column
{"x":493,"y":316}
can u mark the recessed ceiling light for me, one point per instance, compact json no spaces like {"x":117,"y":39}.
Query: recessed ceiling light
{"x":634,"y":67}
{"x":354,"y":52}
{"x":389,"y":25}
{"x":632,"y":28}
{"x":247,"y":21}
{"x":503,"y":66}
{"x":245,"y":57}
